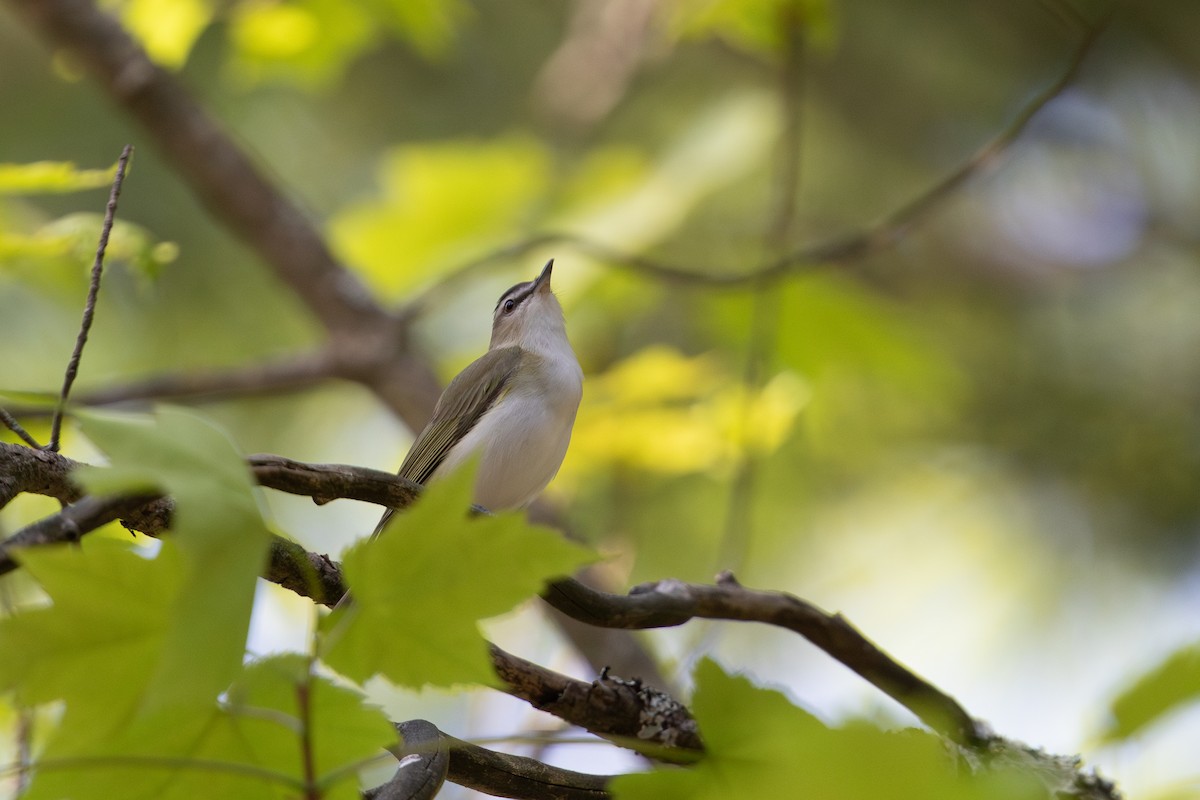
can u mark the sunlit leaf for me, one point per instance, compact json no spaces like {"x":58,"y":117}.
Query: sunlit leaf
{"x":75,"y":237}
{"x":166,"y":28}
{"x":440,"y":204}
{"x":420,"y":589}
{"x":755,"y":25}
{"x":663,"y":412}
{"x":1168,"y":687}
{"x":51,"y":177}
{"x":428,"y":25}
{"x":309,"y":42}
{"x":99,"y":643}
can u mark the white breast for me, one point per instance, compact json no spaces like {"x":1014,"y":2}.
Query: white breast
{"x":522,"y":440}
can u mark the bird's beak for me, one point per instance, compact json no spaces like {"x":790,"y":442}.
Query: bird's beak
{"x":542,"y":284}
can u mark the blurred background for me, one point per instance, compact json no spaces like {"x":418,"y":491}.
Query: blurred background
{"x":978,"y":441}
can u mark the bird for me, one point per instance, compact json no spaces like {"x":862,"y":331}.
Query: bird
{"x":514,"y":407}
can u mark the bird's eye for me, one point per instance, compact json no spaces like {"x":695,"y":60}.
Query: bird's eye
{"x":509,"y":305}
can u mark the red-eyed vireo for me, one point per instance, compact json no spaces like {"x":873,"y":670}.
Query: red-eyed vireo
{"x":514,"y":406}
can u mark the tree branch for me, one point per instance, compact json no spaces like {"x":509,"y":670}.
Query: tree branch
{"x":626,"y":712}
{"x":667,"y":603}
{"x":424,"y":756}
{"x":670,"y":603}
{"x":429,"y":757}
{"x":269,"y":377}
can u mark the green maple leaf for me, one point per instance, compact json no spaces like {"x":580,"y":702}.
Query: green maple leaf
{"x":221,"y":536}
{"x":421,"y":587}
{"x":758,"y":744}
{"x":97,"y":645}
{"x":139,"y":644}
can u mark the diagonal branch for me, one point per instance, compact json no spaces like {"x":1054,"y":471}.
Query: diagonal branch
{"x":670,"y":603}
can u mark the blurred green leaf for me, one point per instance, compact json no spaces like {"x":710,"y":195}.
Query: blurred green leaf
{"x":75,"y":237}
{"x":42,"y":400}
{"x":1168,"y":687}
{"x":312,"y":42}
{"x":420,"y":589}
{"x":51,"y":177}
{"x":166,"y":28}
{"x":760,"y":745}
{"x":428,"y":25}
{"x":755,"y":25}
{"x":872,"y":370}
{"x":440,"y":205}
{"x":661,"y":411}
{"x":308,"y":42}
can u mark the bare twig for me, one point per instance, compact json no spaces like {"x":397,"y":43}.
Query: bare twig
{"x":24,"y":737}
{"x":89,"y":308}
{"x":11,"y":423}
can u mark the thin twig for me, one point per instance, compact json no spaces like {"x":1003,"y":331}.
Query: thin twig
{"x":89,"y":308}
{"x":11,"y":423}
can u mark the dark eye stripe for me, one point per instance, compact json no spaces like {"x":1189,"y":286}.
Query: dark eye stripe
{"x":517,"y":294}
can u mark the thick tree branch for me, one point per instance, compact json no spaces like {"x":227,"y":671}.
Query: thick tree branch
{"x":624,"y":711}
{"x":424,"y":756}
{"x":428,"y":757}
{"x":30,"y":470}
{"x":504,"y":775}
{"x":628,"y":712}
{"x":667,"y":603}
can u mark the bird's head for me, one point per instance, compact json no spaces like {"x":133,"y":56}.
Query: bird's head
{"x":528,"y":315}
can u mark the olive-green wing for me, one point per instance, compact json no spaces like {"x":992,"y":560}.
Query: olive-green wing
{"x":468,"y":397}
